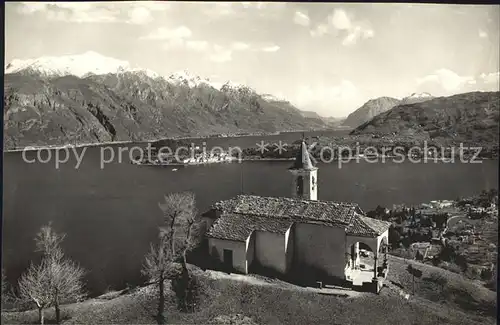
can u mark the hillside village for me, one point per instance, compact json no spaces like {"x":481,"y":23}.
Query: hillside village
{"x":459,"y":235}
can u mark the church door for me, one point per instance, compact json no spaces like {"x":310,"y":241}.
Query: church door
{"x":228,"y":260}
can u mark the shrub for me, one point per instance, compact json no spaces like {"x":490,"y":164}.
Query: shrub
{"x":439,"y":279}
{"x":486,"y":274}
{"x":450,"y":267}
{"x":473,"y":272}
{"x":466,"y":296}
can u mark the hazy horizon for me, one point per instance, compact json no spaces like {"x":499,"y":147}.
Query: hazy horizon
{"x":329,"y":58}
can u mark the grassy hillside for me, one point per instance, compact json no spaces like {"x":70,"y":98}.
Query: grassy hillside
{"x":278,"y":303}
{"x":133,"y":107}
{"x":457,"y":293}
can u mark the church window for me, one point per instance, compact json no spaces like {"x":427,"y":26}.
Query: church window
{"x":300,"y":186}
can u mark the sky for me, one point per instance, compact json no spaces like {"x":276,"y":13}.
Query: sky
{"x":325,"y":57}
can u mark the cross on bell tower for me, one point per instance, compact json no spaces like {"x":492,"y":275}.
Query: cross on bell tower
{"x":304,"y":175}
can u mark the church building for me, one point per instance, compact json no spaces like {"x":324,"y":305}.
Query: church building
{"x":299,"y":234}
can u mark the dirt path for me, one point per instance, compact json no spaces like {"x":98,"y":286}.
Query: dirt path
{"x":329,"y":290}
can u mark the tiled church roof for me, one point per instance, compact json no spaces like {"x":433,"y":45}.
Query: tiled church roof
{"x":245,"y":213}
{"x":379,"y":226}
{"x":239,"y":226}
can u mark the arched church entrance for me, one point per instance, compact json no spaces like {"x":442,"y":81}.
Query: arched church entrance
{"x":366,"y":261}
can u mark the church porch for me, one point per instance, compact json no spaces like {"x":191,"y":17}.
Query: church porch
{"x":366,"y":267}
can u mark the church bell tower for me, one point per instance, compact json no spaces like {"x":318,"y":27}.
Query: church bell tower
{"x":304,"y":176}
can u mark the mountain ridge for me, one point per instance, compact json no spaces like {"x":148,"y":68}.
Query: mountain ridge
{"x":92,"y":63}
{"x":132,"y":106}
{"x":379,"y":105}
{"x":370,"y":109}
{"x":469,"y":117}
{"x":89,"y":98}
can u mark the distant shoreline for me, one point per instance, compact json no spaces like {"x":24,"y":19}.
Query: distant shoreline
{"x":253,"y":155}
{"x":152,"y":142}
{"x":249,"y":158}
{"x":430,"y":159}
{"x":69,"y":146}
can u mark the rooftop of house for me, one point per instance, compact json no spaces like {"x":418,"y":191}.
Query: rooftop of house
{"x":243,"y":214}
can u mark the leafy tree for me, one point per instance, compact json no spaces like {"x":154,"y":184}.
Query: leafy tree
{"x":440,"y":219}
{"x":425,"y":221}
{"x":486,"y":274}
{"x":378,"y":213}
{"x":419,"y":256}
{"x":394,"y":237}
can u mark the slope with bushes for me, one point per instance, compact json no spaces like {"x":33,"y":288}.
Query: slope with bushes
{"x":224,"y":298}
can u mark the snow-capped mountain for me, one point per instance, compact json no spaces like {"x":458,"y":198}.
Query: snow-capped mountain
{"x":111,"y":100}
{"x":416,"y":98}
{"x":79,"y":65}
{"x":273,"y":98}
{"x":92,"y":63}
{"x":420,"y":95}
{"x":186,"y":78}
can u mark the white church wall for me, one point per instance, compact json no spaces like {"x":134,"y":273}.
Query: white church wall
{"x":310,"y":189}
{"x":384,"y":235}
{"x":289,"y":247}
{"x":320,"y":247}
{"x":270,"y":250}
{"x":313,"y":185}
{"x":250,"y":247}
{"x":217,"y":246}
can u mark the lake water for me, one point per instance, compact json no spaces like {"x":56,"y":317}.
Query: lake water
{"x":111,"y":215}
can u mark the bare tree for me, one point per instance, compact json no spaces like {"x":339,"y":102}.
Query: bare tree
{"x":65,"y":277}
{"x":157,"y":265}
{"x":49,"y":242}
{"x":184,"y":285}
{"x":67,"y":283}
{"x":34,"y":285}
{"x":179,"y":210}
